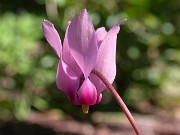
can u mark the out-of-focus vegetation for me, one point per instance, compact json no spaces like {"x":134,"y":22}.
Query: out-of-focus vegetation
{"x":148,"y":54}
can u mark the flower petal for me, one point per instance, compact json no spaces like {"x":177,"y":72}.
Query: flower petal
{"x":87,"y":93}
{"x":52,"y":36}
{"x":100,"y":34}
{"x":67,"y":80}
{"x":67,"y":56}
{"x":82,"y":42}
{"x":100,"y":86}
{"x":99,"y":98}
{"x":106,"y":59}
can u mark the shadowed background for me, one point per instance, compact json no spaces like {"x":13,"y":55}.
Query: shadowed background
{"x":148,"y":67}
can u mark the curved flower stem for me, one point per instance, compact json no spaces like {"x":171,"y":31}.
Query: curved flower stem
{"x":120,"y":101}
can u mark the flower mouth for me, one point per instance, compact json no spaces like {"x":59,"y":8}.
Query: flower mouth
{"x":81,"y":81}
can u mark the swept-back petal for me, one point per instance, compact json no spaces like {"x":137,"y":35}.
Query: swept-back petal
{"x":106,"y":59}
{"x":99,"y":98}
{"x":67,"y":56}
{"x":100,"y":34}
{"x":87,"y":93}
{"x":100,"y":86}
{"x":52,"y":36}
{"x":82,"y":42}
{"x":67,"y":80}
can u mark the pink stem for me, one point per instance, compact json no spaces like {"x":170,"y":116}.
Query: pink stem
{"x":120,"y":101}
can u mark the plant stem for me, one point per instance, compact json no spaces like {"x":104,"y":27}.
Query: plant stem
{"x":119,"y":101}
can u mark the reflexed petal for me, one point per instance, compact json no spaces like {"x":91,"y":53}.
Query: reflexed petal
{"x":82,"y":42}
{"x":100,"y":34}
{"x":68,"y":81}
{"x":67,"y":56}
{"x":52,"y":36}
{"x":100,"y":86}
{"x":106,"y":59}
{"x":87,"y":93}
{"x":99,"y":98}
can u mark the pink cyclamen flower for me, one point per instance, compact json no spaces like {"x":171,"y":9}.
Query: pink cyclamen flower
{"x":83,"y":50}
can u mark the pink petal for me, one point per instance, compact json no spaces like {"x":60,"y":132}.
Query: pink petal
{"x":100,"y":34}
{"x":106,"y":59}
{"x":100,"y":86}
{"x":82,"y":42}
{"x":67,"y":56}
{"x":52,"y":36}
{"x":87,"y":94}
{"x":99,"y":98}
{"x":67,"y":80}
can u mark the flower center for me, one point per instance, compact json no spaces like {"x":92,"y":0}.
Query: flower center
{"x":85,"y":108}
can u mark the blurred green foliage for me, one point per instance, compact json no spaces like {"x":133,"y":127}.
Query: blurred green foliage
{"x":148,"y":54}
